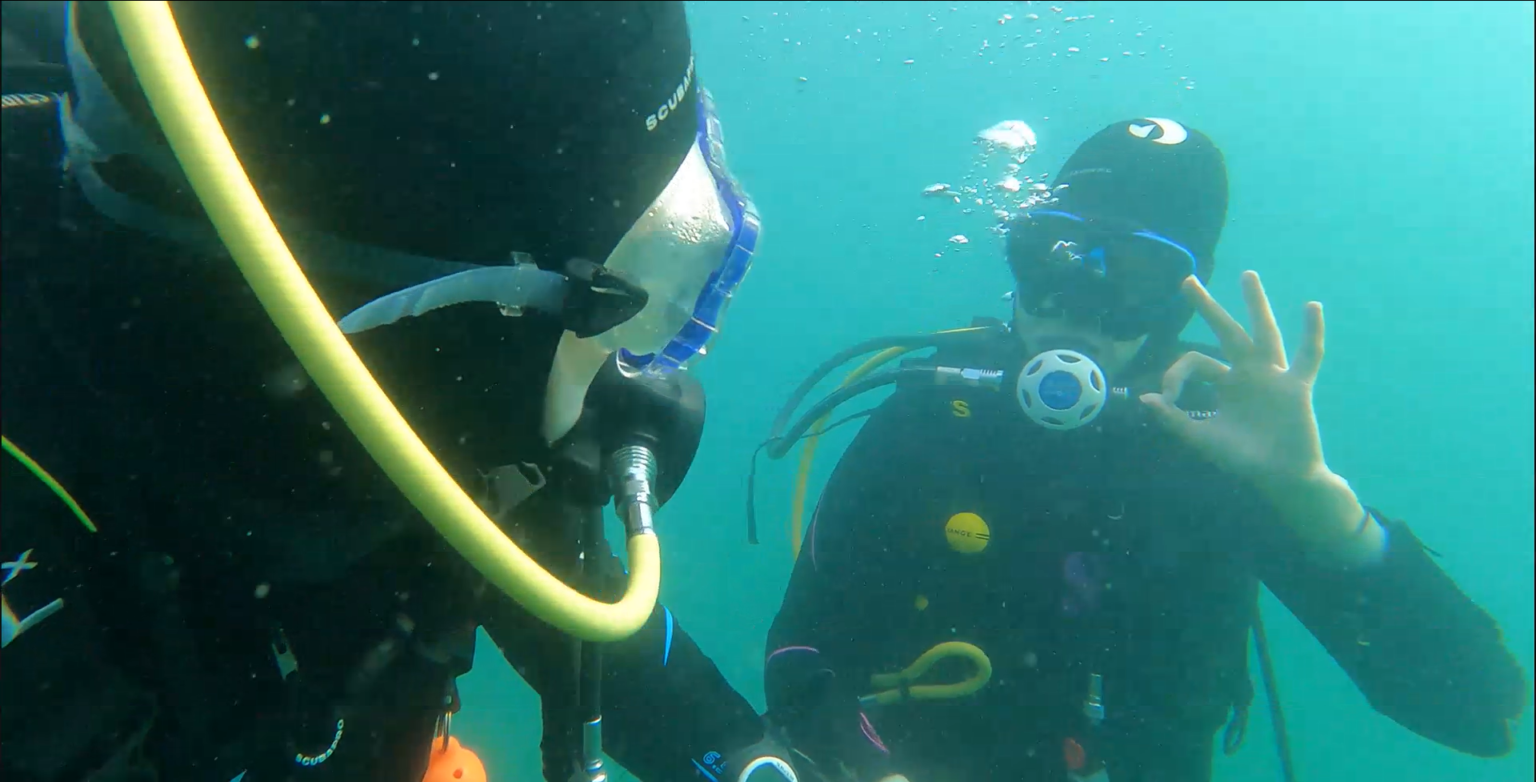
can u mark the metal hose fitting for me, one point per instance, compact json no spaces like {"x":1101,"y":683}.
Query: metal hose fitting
{"x":632,"y":470}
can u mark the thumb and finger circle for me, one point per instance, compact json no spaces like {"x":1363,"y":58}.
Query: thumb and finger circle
{"x":1191,"y":366}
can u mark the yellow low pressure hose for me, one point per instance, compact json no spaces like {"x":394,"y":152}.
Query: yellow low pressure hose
{"x":186,"y":117}
{"x":808,"y":453}
{"x":899,"y":687}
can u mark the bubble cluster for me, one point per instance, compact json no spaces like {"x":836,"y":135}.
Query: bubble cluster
{"x":996,"y":187}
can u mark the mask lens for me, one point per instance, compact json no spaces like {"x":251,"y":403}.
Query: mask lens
{"x":1120,"y":278}
{"x":734,"y":256}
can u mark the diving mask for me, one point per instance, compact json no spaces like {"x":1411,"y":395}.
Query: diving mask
{"x":1116,"y":277}
{"x":690,"y":251}
{"x":687,"y":254}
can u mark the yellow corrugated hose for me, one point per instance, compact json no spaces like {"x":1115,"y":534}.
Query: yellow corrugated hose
{"x":187,"y":119}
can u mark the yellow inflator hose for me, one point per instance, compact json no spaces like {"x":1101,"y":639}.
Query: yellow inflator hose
{"x":899,"y":685}
{"x":187,"y":119}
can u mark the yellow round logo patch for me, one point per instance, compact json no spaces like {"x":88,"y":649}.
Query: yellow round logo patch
{"x":967,"y":533}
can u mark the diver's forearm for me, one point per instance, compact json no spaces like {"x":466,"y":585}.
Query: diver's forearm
{"x":1330,"y":519}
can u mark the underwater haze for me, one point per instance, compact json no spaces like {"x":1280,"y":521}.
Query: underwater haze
{"x":1381,"y":162}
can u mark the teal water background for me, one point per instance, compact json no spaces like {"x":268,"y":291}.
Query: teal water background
{"x":1381,"y":159}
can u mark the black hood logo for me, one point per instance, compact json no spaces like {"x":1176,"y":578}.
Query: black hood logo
{"x":666,"y":109}
{"x":1159,"y":131}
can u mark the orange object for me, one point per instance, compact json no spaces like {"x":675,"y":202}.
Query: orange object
{"x":1072,"y":752}
{"x":453,"y":763}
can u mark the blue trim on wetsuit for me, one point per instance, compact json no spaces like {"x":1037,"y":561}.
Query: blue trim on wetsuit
{"x":666,"y":652}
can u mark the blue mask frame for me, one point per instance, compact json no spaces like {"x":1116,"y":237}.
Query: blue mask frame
{"x":1124,"y":278}
{"x":693,"y":339}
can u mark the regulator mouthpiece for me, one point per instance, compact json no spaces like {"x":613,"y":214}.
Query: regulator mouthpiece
{"x":1062,"y":389}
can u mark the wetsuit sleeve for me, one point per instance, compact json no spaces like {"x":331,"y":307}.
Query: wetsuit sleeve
{"x":819,"y":653}
{"x":1418,"y":648}
{"x":669,"y":715}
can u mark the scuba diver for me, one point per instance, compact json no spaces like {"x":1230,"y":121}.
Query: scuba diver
{"x":265,"y":264}
{"x":1064,"y":520}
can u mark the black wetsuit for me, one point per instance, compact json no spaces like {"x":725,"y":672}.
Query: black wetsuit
{"x":239,"y":520}
{"x":1114,"y":550}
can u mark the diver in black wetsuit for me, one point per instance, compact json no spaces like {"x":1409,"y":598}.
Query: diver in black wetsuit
{"x":206,"y":573}
{"x":1065,"y":520}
